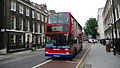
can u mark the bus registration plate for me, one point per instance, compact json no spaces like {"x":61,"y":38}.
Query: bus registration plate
{"x":56,"y":55}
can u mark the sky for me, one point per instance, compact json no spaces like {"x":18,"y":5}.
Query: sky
{"x":82,"y":10}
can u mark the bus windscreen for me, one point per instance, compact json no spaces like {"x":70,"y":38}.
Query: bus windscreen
{"x":57,"y":39}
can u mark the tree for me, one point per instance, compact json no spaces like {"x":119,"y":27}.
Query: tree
{"x":91,"y":27}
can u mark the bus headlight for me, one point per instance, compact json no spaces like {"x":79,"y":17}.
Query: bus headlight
{"x":46,"y":52}
{"x":67,"y":53}
{"x":66,"y":49}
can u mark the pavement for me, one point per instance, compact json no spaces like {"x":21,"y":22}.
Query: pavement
{"x":99,"y":58}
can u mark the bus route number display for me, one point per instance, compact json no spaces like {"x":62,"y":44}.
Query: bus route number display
{"x":57,"y":28}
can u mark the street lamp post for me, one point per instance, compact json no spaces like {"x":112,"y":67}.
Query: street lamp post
{"x":114,"y":50}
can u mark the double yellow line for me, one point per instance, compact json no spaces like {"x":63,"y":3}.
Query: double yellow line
{"x":83,"y":57}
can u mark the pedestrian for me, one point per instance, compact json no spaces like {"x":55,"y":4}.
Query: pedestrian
{"x":108,"y":45}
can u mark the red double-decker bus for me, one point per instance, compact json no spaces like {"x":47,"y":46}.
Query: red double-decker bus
{"x":63,"y":35}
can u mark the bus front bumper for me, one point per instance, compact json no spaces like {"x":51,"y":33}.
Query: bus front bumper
{"x":59,"y":55}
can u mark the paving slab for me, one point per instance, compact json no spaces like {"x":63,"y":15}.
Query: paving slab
{"x":99,"y":58}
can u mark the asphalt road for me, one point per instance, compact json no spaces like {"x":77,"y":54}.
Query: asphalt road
{"x":23,"y":60}
{"x":65,"y":63}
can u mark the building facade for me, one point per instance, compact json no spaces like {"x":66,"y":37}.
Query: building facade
{"x":111,"y":21}
{"x":107,"y":19}
{"x":100,"y":28}
{"x":22,"y":23}
{"x":111,"y":17}
{"x":117,"y":17}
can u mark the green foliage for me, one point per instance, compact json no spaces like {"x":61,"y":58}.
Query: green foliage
{"x":91,"y":27}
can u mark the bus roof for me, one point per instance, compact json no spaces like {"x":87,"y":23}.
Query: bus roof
{"x":59,"y":12}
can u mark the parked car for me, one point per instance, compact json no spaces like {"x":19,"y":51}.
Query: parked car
{"x":95,"y":41}
{"x":92,"y":41}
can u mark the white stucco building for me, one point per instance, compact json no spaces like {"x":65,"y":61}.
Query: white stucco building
{"x":100,"y":23}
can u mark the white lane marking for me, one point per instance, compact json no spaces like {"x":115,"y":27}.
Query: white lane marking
{"x":42,"y":63}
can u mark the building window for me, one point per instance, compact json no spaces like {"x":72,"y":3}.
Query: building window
{"x":34,"y":37}
{"x":12,"y":40}
{"x":38,"y":16}
{"x":21,"y":39}
{"x":119,"y":10}
{"x":13,"y":22}
{"x":13,"y":5}
{"x":21,"y":9}
{"x":42,"y":18}
{"x":27,"y":25}
{"x":33,"y":14}
{"x":27,"y":12}
{"x":33,"y":27}
{"x":43,"y":29}
{"x":39,"y":40}
{"x":116,"y":13}
{"x":21,"y":23}
{"x":38,"y":27}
